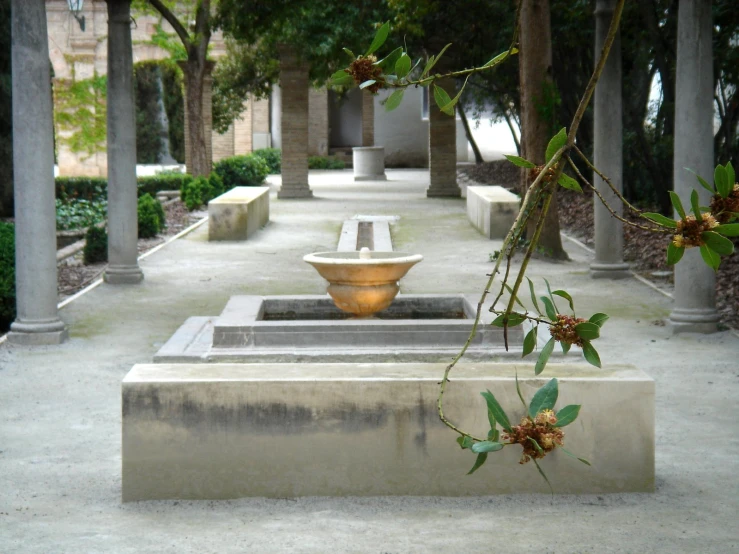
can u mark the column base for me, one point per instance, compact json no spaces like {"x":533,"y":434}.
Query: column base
{"x":452,"y":191}
{"x":295,"y":192}
{"x":609,"y":270}
{"x":693,"y":320}
{"x":38,"y":333}
{"x":123,"y":275}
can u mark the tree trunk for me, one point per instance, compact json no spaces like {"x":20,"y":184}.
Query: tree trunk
{"x":535,"y":72}
{"x":468,"y":133}
{"x":194,"y":73}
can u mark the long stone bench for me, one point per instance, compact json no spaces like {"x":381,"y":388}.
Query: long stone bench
{"x":492,"y":210}
{"x":217,"y":431}
{"x":238,"y":213}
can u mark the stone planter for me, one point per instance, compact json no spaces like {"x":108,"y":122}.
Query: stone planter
{"x":369,"y":163}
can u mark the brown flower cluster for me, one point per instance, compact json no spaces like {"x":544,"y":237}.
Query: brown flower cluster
{"x":541,"y":429}
{"x":563,"y":329}
{"x":722,"y":208}
{"x":689,"y":230}
{"x":363,"y":70}
{"x":548,"y":178}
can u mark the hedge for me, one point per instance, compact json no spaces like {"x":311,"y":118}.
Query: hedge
{"x":7,"y":275}
{"x":93,"y":188}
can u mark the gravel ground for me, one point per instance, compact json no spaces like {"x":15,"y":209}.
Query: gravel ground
{"x":645,"y":251}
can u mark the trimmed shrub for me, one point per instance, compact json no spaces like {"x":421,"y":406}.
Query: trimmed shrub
{"x":216,"y":184}
{"x":196,"y":193}
{"x":7,"y":275}
{"x":163,"y":181}
{"x":324,"y":162}
{"x":96,"y":245}
{"x":242,"y":171}
{"x":150,"y":222}
{"x":273,"y":157}
{"x":81,"y":188}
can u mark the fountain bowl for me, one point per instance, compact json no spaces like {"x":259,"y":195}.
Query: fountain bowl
{"x":362,"y":283}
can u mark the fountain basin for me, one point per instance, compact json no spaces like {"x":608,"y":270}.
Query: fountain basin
{"x":362,"y":283}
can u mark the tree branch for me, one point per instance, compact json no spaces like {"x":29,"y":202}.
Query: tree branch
{"x":174,"y":22}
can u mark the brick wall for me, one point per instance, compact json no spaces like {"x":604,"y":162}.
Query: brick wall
{"x":368,"y":118}
{"x":317,"y":122}
{"x":443,"y":148}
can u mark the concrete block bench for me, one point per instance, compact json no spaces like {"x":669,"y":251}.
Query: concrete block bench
{"x":238,"y":213}
{"x":492,"y":210}
{"x":217,"y":431}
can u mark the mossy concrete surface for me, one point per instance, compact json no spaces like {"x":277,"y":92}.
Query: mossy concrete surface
{"x":60,"y":407}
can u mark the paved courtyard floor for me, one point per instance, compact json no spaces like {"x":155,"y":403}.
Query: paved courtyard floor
{"x":60,"y":411}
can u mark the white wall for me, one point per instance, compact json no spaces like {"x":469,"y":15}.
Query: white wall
{"x":403,"y":133}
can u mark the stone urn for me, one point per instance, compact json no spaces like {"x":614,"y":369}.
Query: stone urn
{"x":362,"y":283}
{"x":369,"y":163}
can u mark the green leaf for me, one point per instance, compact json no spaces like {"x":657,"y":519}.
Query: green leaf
{"x":491,"y":421}
{"x":388,"y":62}
{"x":729,"y":230}
{"x":590,"y":353}
{"x":465,"y":442}
{"x":565,"y":347}
{"x":349,"y":53}
{"x":730,"y":175}
{"x":677,"y":204}
{"x":702,"y":181}
{"x":569,"y":183}
{"x":486,"y":446}
{"x":498,"y":413}
{"x":481,"y":458}
{"x":341,"y":79}
{"x":587,"y":330}
{"x":394,"y":100}
{"x":500,"y":57}
{"x":380,"y":38}
{"x":536,"y":445}
{"x":520,"y":162}
{"x":566,"y":296}
{"x":545,"y":398}
{"x":533,"y":296}
{"x":549,"y":307}
{"x":557,"y":142}
{"x":661,"y":220}
{"x":567,"y":415}
{"x":442,"y":99}
{"x":571,"y":455}
{"x":514,"y":319}
{"x":712,"y":259}
{"x":510,"y":291}
{"x":367,"y":84}
{"x":403,"y":66}
{"x":541,"y":472}
{"x":529,"y":342}
{"x":599,"y":319}
{"x":695,"y":204}
{"x":544,"y":356}
{"x":674,"y":253}
{"x":520,"y":396}
{"x":719,"y":244}
{"x":551,"y":297}
{"x":433,"y":59}
{"x":722,"y":181}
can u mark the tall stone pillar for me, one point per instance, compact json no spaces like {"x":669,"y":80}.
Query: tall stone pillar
{"x":275,"y":116}
{"x":608,"y":153}
{"x":368,"y":118}
{"x":123,"y":267}
{"x":442,"y":148}
{"x":695,"y":282}
{"x":37,"y":320}
{"x":207,"y":113}
{"x":294,"y":85}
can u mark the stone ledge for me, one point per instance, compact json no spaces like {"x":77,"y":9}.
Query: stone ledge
{"x":217,"y":431}
{"x":492,"y":210}
{"x":238,"y":213}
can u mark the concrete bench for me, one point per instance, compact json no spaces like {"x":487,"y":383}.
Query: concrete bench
{"x":216,"y":431}
{"x":238,"y":213}
{"x":492,"y":210}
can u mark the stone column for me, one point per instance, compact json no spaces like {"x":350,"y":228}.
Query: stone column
{"x":368,"y":118}
{"x":207,"y":112}
{"x":123,"y":267}
{"x":442,"y":148}
{"x":294,"y":85}
{"x":37,"y":320}
{"x":695,"y":282}
{"x":608,"y":153}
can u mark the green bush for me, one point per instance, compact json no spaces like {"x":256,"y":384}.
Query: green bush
{"x":150,"y":221}
{"x":80,"y":213}
{"x":242,"y":171}
{"x":96,"y":245}
{"x":273,"y":157}
{"x":196,"y":193}
{"x":324,"y":162}
{"x":81,"y":188}
{"x":217,"y":186}
{"x":163,"y":181}
{"x":7,"y":275}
